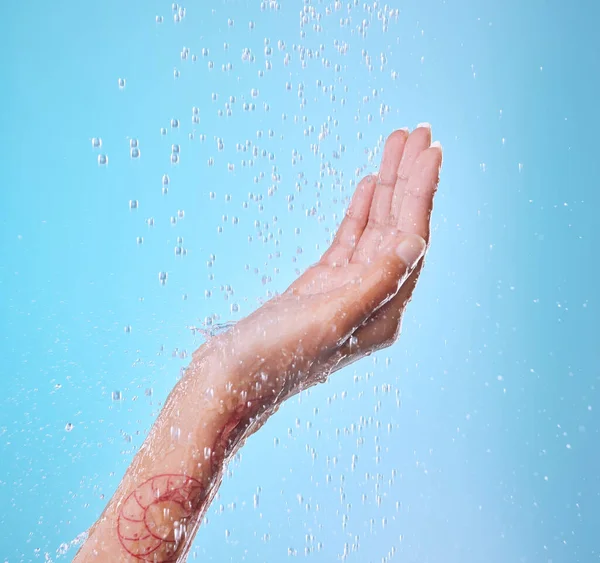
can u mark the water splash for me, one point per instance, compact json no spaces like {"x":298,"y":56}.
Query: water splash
{"x":210,"y":331}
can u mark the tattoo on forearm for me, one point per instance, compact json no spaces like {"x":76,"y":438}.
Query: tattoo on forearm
{"x":154,"y":521}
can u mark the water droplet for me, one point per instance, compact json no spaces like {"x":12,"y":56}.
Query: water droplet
{"x":133,"y":204}
{"x":162,"y":277}
{"x":116,"y":395}
{"x":96,"y":142}
{"x":102,"y":160}
{"x":121,"y":83}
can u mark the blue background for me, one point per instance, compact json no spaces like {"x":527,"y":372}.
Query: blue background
{"x":476,"y":435}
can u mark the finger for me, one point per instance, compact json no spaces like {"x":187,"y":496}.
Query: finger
{"x":417,"y":201}
{"x":418,"y":141}
{"x":379,"y":213}
{"x":356,"y":301}
{"x":353,"y":225}
{"x":382,"y":199}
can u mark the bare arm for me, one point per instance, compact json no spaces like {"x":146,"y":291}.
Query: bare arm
{"x":160,"y":503}
{"x":347,"y":305}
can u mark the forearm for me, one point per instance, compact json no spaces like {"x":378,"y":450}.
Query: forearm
{"x":154,"y":514}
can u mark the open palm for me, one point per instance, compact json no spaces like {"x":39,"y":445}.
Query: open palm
{"x":351,"y":302}
{"x":384,"y":209}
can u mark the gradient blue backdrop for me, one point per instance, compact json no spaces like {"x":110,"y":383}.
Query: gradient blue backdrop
{"x":475,"y":436}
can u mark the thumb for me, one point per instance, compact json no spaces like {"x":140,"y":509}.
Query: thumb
{"x":359,"y":299}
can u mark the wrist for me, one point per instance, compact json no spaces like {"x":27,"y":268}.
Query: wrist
{"x":242,"y":370}
{"x":251,"y":369}
{"x":243,"y":390}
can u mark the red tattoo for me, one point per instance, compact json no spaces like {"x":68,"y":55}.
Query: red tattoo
{"x":152,"y":522}
{"x":155,"y":518}
{"x":231,"y":433}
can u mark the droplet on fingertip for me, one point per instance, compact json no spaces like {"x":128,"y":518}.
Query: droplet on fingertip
{"x":436,"y":145}
{"x":424,"y":124}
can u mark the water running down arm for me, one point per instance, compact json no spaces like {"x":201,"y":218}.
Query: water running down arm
{"x":347,"y":305}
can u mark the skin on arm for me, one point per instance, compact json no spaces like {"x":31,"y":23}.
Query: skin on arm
{"x":345,"y":306}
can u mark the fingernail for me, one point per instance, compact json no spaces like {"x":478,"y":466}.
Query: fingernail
{"x":436,"y":145}
{"x":424,"y":124}
{"x":411,"y":249}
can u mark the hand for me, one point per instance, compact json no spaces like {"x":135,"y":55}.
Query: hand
{"x":351,"y":302}
{"x":403,"y":199}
